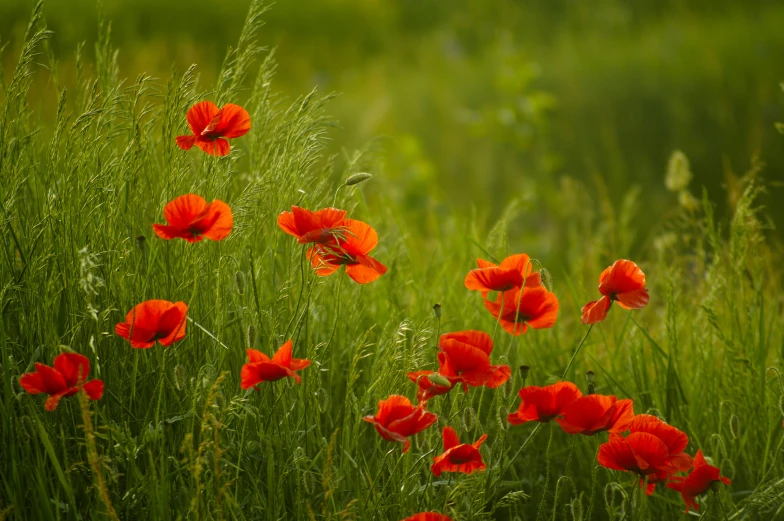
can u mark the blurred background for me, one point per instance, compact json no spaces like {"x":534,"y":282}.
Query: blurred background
{"x":473,"y":105}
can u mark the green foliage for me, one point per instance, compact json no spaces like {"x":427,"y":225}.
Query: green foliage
{"x":177,"y":436}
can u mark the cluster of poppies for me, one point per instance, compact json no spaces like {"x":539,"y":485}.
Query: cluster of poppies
{"x":651,"y":449}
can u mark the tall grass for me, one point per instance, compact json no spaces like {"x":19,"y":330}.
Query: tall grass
{"x":178,"y":439}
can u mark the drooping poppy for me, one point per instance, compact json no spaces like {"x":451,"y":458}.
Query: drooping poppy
{"x":596,"y":413}
{"x":697,"y":482}
{"x":536,"y":308}
{"x":623,"y":282}
{"x":351,"y":250}
{"x":154,"y":321}
{"x":428,"y":516}
{"x":428,"y":386}
{"x":674,"y":439}
{"x":261,"y":368}
{"x":68,"y":375}
{"x":211,"y":127}
{"x":319,"y":226}
{"x":189,"y":217}
{"x":466,"y":354}
{"x":543,"y":404}
{"x":458,"y":457}
{"x":397,"y":419}
{"x":504,"y":277}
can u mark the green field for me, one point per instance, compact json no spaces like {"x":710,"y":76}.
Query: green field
{"x":490,"y":128}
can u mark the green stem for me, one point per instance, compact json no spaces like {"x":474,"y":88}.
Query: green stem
{"x":579,"y":346}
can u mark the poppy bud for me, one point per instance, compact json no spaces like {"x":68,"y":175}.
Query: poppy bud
{"x":239,"y":279}
{"x":609,"y":496}
{"x":358,"y":178}
{"x":734,"y":427}
{"x":251,"y":336}
{"x":524,"y":371}
{"x":438,"y":379}
{"x":141,"y":242}
{"x":546,"y":278}
{"x":590,"y":376}
{"x":469,"y":418}
{"x":179,"y":377}
{"x":437,"y":310}
{"x":507,"y":390}
{"x":678,"y":174}
{"x":500,"y":417}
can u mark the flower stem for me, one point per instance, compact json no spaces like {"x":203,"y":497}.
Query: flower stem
{"x":574,"y":355}
{"x":92,"y":454}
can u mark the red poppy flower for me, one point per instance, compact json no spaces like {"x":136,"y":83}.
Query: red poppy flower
{"x":154,"y":320}
{"x":458,"y":457}
{"x":319,"y":226}
{"x":397,"y":420}
{"x":191,"y":218}
{"x":427,"y":387}
{"x":639,"y":452}
{"x":261,"y":368}
{"x":508,"y":275}
{"x":674,"y":439}
{"x":428,"y":516}
{"x":351,"y":250}
{"x":65,"y":379}
{"x":543,"y":404}
{"x":623,"y":282}
{"x":596,"y":413}
{"x":466,"y":354}
{"x":538,"y":308}
{"x":211,"y":127}
{"x":697,"y":482}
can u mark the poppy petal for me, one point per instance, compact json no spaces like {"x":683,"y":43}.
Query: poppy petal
{"x":621,"y":277}
{"x":234,"y":122}
{"x":73,"y":366}
{"x":450,"y":438}
{"x":185,"y":142}
{"x":283,"y":355}
{"x":366,"y":270}
{"x":636,"y":299}
{"x":171,"y":325}
{"x":596,"y":311}
{"x":200,"y":115}
{"x":52,"y":401}
{"x":218,"y":222}
{"x":183,"y":210}
{"x":94,"y":389}
{"x":214,"y":147}
{"x":361,"y":238}
{"x":322,"y":267}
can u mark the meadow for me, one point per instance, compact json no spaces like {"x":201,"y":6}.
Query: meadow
{"x":89,"y":160}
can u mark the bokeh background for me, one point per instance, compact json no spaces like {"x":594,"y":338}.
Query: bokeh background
{"x":471,"y":105}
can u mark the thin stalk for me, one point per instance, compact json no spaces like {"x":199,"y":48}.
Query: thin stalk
{"x":546,"y":475}
{"x":92,"y":454}
{"x":574,"y":355}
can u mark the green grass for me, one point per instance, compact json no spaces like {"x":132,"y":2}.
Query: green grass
{"x":177,"y":436}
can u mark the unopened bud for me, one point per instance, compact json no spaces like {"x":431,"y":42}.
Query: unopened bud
{"x":179,"y":377}
{"x":524,"y":371}
{"x":251,"y":336}
{"x":440,"y":380}
{"x":437,"y":310}
{"x":358,"y":178}
{"x":546,"y":278}
{"x":590,"y":376}
{"x":141,"y":242}
{"x":735,"y":427}
{"x":239,"y":279}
